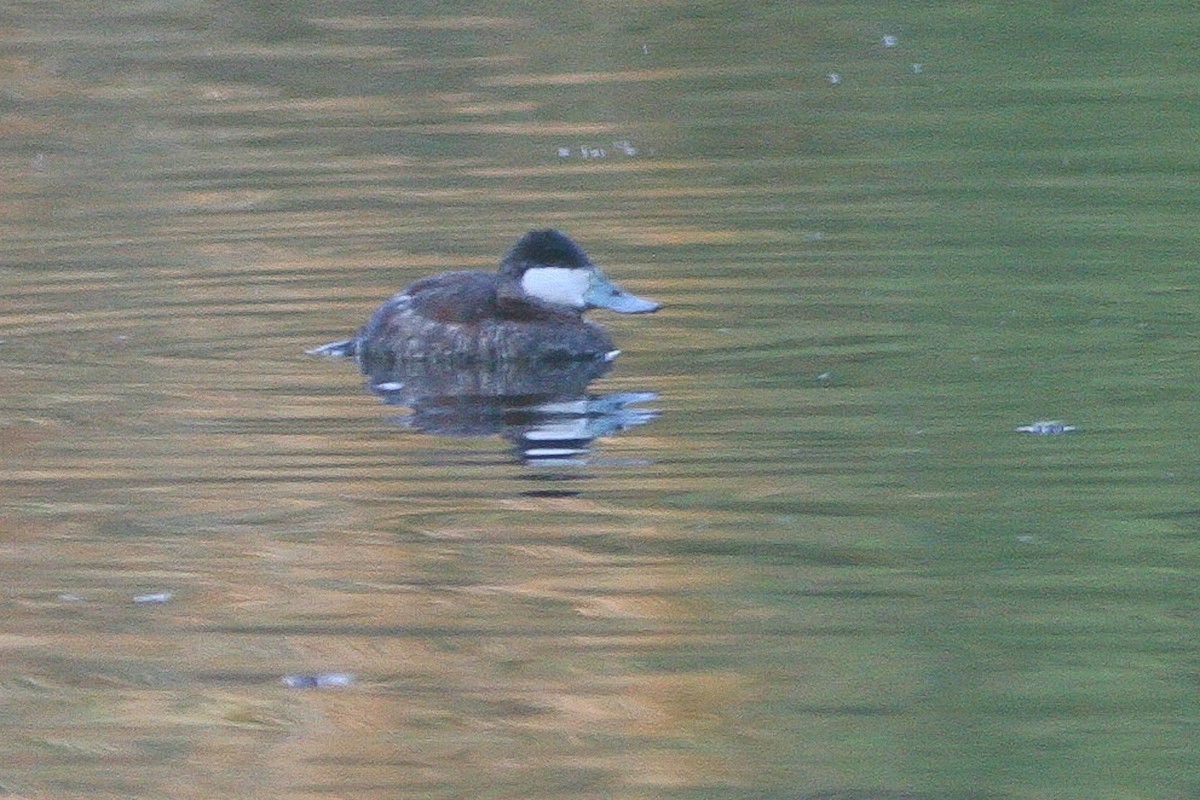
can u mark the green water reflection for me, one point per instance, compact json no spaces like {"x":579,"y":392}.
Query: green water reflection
{"x":831,"y":568}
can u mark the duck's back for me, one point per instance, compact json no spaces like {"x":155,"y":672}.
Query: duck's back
{"x":462,"y":316}
{"x":452,"y":297}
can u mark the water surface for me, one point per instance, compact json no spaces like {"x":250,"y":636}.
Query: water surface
{"x":822,"y":564}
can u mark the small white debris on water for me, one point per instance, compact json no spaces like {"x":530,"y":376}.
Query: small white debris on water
{"x":153,"y":598}
{"x":1046,"y":428}
{"x":325,"y":680}
{"x":890,"y":41}
{"x":619,"y":146}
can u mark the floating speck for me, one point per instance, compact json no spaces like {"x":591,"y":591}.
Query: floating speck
{"x":153,"y":598}
{"x":324,"y":680}
{"x":1046,"y":428}
{"x":834,"y":78}
{"x":890,"y":41}
{"x":625,"y":147}
{"x":619,"y":147}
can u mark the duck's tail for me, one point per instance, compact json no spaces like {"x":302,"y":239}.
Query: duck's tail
{"x":344,"y":348}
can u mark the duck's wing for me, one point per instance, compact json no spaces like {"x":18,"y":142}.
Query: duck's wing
{"x":473,"y":297}
{"x":453,"y":297}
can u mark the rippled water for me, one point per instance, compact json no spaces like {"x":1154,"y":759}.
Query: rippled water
{"x":791,"y":545}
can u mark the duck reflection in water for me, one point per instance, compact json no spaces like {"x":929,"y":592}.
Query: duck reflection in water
{"x":477,"y":354}
{"x":543,"y":409}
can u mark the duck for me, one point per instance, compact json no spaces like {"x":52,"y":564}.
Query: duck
{"x":530,"y":310}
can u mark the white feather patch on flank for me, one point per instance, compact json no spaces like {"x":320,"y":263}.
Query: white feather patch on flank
{"x":558,"y":285}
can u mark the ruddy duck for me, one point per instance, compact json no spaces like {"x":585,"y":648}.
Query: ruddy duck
{"x":531,"y":309}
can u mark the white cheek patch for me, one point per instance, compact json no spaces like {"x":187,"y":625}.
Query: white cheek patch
{"x":558,"y":285}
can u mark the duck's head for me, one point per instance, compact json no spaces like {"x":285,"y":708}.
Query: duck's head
{"x":552,"y":269}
